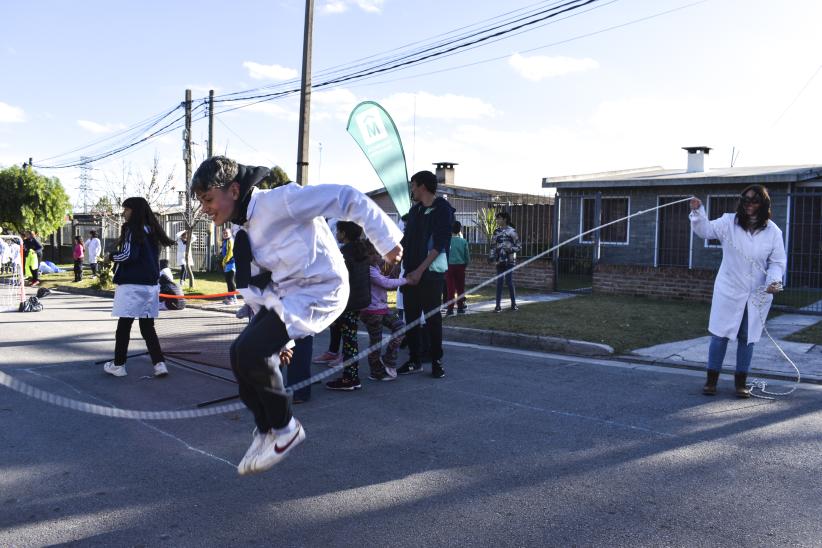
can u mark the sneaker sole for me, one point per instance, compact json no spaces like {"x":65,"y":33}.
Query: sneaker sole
{"x":346,"y":389}
{"x":113,"y":374}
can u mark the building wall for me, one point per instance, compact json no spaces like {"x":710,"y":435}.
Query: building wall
{"x":661,"y":282}
{"x":536,"y":275}
{"x":642,"y":231}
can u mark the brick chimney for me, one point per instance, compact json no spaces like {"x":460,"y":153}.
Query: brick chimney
{"x":445,"y":173}
{"x":696,"y":158}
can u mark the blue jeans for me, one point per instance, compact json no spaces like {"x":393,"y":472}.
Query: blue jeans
{"x":508,"y":279}
{"x":300,"y":367}
{"x":744,"y":350}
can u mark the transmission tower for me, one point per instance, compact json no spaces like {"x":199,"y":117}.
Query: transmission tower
{"x":85,"y":184}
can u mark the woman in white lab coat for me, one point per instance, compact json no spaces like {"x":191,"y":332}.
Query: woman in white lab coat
{"x":753,"y":265}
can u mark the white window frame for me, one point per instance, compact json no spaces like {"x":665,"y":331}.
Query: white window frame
{"x":601,"y":241}
{"x":708,"y":213}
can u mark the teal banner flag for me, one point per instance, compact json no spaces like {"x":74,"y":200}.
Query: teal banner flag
{"x":375,"y":132}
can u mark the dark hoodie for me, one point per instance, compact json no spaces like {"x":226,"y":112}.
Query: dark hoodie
{"x":248,"y":177}
{"x":427,"y":228}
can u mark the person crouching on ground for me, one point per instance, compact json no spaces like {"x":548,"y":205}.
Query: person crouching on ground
{"x":738,"y":308}
{"x":137,"y":273}
{"x":291,"y":274}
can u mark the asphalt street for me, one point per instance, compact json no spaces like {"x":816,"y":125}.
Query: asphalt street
{"x":511,"y":448}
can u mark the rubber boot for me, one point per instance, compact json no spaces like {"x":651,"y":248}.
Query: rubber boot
{"x":740,"y":382}
{"x":710,"y":385}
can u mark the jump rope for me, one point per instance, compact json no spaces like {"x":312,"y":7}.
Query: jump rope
{"x":760,"y":298}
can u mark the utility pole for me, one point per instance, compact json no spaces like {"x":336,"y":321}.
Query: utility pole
{"x":305,"y":97}
{"x":187,"y":154}
{"x":210,"y":123}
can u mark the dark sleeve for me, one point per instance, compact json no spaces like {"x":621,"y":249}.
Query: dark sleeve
{"x":441,"y":229}
{"x":130,"y":252}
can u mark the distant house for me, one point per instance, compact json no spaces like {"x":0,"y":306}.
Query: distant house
{"x":530,"y":214}
{"x":656,"y":253}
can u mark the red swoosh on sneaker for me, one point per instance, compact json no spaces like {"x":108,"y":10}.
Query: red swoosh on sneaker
{"x":280,"y":450}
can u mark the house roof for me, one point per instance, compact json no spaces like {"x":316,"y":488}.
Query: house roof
{"x":454,"y":190}
{"x":657,"y":176}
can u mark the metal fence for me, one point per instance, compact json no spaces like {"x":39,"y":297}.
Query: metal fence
{"x":531,"y":217}
{"x":803,"y":284}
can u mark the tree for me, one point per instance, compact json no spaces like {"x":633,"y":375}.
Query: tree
{"x":30,"y":201}
{"x":487,"y":221}
{"x":156,"y":188}
{"x":277,"y":178}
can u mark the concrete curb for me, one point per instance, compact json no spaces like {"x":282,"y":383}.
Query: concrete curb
{"x":699,"y":366}
{"x":525,"y":342}
{"x":107,"y":294}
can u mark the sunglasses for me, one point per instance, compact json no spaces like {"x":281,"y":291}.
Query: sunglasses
{"x":748,"y":200}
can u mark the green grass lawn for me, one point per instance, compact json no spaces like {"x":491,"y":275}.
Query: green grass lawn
{"x":812,"y":334}
{"x":205,"y":283}
{"x":797,"y":298}
{"x":625,"y":323}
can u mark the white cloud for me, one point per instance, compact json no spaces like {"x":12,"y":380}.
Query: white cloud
{"x":258,"y":71}
{"x":401,"y":107}
{"x":273,"y":110}
{"x":333,"y":7}
{"x":94,"y":127}
{"x":9,"y":113}
{"x":335,"y":103}
{"x":540,"y":67}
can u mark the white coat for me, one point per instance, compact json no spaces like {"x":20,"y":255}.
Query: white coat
{"x":738,"y":282}
{"x":92,"y":249}
{"x":181,"y":247}
{"x":290,"y":238}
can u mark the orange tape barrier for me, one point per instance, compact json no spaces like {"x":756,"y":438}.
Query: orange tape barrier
{"x":213,"y":295}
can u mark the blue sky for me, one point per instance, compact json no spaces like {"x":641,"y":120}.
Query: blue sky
{"x":720,"y":73}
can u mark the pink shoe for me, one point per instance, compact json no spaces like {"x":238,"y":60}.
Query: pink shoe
{"x":326,"y":358}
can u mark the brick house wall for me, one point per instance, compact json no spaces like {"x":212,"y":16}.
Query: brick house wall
{"x":662,"y":282}
{"x":536,"y":275}
{"x":642,"y":230}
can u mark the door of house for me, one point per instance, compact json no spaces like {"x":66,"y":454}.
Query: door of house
{"x":803,"y":288}
{"x":673,"y":238}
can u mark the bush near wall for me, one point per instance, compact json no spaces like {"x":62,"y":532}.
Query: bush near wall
{"x":663,"y":282}
{"x":536,"y":275}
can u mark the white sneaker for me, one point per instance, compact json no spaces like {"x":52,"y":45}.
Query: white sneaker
{"x":275,"y":448}
{"x":392,"y":372}
{"x":116,"y":370}
{"x":160,"y":369}
{"x":244,"y":468}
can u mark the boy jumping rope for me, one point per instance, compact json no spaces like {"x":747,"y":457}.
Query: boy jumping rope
{"x":292,"y":275}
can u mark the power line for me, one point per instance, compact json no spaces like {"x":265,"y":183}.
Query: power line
{"x":522,"y":23}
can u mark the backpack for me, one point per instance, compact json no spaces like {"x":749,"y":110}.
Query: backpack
{"x":32,"y":304}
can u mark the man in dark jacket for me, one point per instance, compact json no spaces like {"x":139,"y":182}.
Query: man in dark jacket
{"x":425,"y":241}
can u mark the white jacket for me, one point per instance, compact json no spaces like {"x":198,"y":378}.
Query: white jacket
{"x":738,"y":282}
{"x":181,"y":247}
{"x":92,"y":249}
{"x":290,"y":238}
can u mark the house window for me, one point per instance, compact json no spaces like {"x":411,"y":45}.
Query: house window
{"x":717,"y":206}
{"x":612,"y":209}
{"x":673,"y":233}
